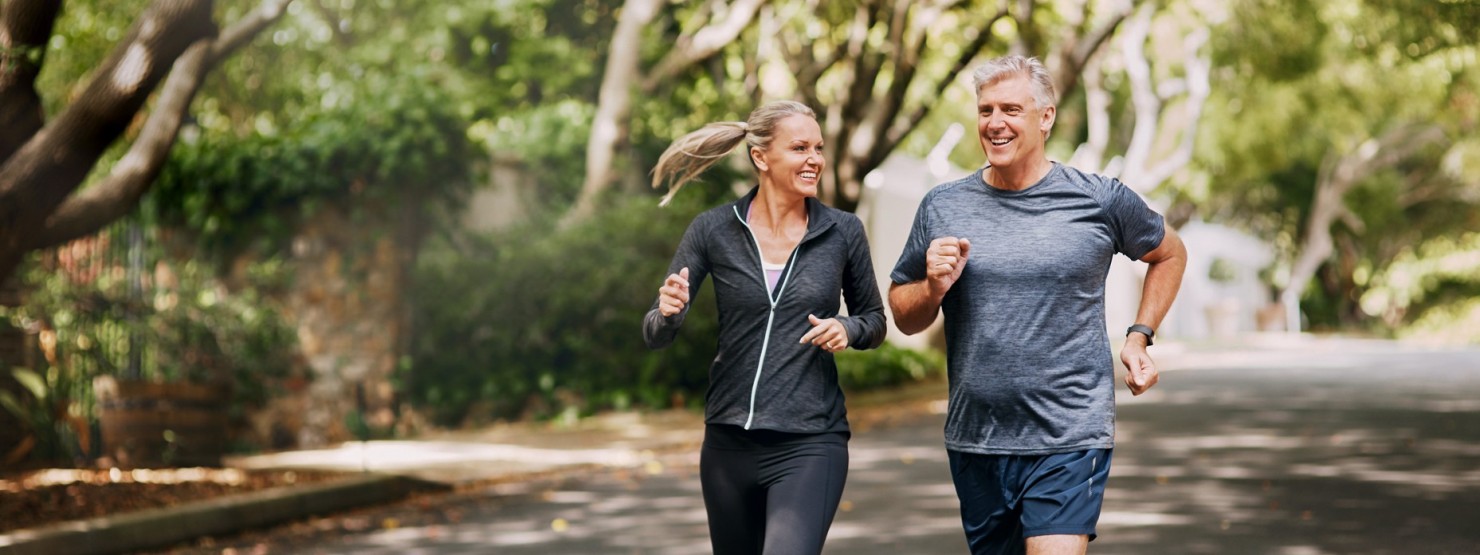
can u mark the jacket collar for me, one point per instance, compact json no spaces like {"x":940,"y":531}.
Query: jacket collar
{"x":819,"y":218}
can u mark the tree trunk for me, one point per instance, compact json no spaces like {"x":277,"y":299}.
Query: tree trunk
{"x":52,"y":163}
{"x":624,"y":72}
{"x":609,"y":126}
{"x":37,"y":181}
{"x":1337,"y":177}
{"x":25,"y":26}
{"x":1154,"y":117}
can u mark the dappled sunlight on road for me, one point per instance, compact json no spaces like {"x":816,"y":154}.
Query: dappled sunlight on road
{"x":899,"y":496}
{"x":1366,"y":451}
{"x":1379,"y":457}
{"x":636,"y":512}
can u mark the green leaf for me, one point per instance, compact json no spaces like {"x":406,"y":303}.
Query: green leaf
{"x":32,"y":381}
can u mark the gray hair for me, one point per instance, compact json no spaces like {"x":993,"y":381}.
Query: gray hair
{"x":997,"y":69}
{"x":695,"y":152}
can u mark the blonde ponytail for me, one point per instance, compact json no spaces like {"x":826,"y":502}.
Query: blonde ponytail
{"x":695,"y":152}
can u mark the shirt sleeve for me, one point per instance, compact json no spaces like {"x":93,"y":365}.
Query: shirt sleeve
{"x":911,"y":264}
{"x":865,"y":322}
{"x":1136,"y":228}
{"x":658,"y":331}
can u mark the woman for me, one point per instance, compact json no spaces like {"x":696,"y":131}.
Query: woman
{"x":775,"y":452}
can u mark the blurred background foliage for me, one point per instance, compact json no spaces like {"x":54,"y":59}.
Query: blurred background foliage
{"x":360,"y":102}
{"x":177,"y":323}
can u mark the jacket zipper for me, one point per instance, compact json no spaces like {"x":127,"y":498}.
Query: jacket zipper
{"x":771,"y":316}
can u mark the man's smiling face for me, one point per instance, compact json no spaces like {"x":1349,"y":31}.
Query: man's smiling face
{"x":1010,"y":124}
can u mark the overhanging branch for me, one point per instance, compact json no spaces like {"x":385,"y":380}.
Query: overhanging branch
{"x":703,"y":43}
{"x":25,"y":26}
{"x":118,"y":193}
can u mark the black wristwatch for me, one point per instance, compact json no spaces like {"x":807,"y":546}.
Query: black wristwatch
{"x":1143,"y":330}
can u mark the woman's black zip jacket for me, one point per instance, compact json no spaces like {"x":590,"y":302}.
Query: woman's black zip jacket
{"x":763,"y":377}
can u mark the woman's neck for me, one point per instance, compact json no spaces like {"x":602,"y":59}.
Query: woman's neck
{"x":777,"y":213}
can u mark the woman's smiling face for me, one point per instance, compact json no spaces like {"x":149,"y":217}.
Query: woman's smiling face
{"x":793,"y":162}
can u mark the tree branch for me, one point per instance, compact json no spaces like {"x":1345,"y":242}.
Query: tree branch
{"x":802,"y":59}
{"x":902,"y":127}
{"x":847,"y":113}
{"x":1076,"y":51}
{"x":1090,"y":155}
{"x":1337,"y":176}
{"x":1199,"y":69}
{"x":1143,"y":92}
{"x":703,"y":43}
{"x":25,"y":26}
{"x":909,"y":39}
{"x":332,"y":19}
{"x":1029,"y":37}
{"x":118,"y":194}
{"x":53,"y":163}
{"x":244,"y":30}
{"x":614,"y":106}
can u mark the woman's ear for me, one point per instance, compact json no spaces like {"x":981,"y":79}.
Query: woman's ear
{"x":758,"y":157}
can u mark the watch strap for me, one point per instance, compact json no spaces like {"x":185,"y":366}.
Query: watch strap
{"x":1143,"y":330}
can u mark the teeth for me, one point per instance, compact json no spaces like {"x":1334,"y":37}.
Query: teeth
{"x":809,"y":175}
{"x":1000,"y":142}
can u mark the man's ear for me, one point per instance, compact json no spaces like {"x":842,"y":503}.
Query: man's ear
{"x":758,"y":157}
{"x":1049,"y":114}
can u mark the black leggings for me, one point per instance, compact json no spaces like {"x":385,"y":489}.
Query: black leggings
{"x":769,"y":492}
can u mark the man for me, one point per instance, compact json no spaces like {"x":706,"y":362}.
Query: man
{"x":1015,"y":256}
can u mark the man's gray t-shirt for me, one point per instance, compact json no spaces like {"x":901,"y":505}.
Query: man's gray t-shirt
{"x":1028,"y":354}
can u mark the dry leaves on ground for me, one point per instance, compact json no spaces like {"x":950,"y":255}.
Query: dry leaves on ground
{"x":43,"y":497}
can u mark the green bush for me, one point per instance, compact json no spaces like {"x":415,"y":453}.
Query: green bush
{"x":187,"y":330}
{"x":399,"y":145}
{"x":887,"y":366}
{"x":534,"y":323}
{"x":538,"y":323}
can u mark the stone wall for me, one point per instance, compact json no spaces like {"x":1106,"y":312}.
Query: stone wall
{"x":348,"y":304}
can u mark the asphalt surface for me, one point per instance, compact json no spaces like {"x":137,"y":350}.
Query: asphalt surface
{"x":1334,"y":447}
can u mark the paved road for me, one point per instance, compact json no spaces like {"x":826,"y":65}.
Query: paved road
{"x":1363,"y":449}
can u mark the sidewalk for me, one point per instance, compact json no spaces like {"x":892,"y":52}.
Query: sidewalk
{"x":514,"y":453}
{"x":391,"y":470}
{"x":502,"y":452}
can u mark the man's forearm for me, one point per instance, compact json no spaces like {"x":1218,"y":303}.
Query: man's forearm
{"x":913,"y":305}
{"x":1163,"y":279}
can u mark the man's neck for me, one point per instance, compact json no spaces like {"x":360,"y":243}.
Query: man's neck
{"x":1018,"y":176}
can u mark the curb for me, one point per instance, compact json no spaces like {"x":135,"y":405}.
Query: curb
{"x":155,"y":528}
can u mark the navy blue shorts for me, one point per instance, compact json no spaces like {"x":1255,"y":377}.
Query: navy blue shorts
{"x":1006,"y":499}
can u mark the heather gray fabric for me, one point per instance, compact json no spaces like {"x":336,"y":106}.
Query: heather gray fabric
{"x":1028,"y":354}
{"x":798,"y":386}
